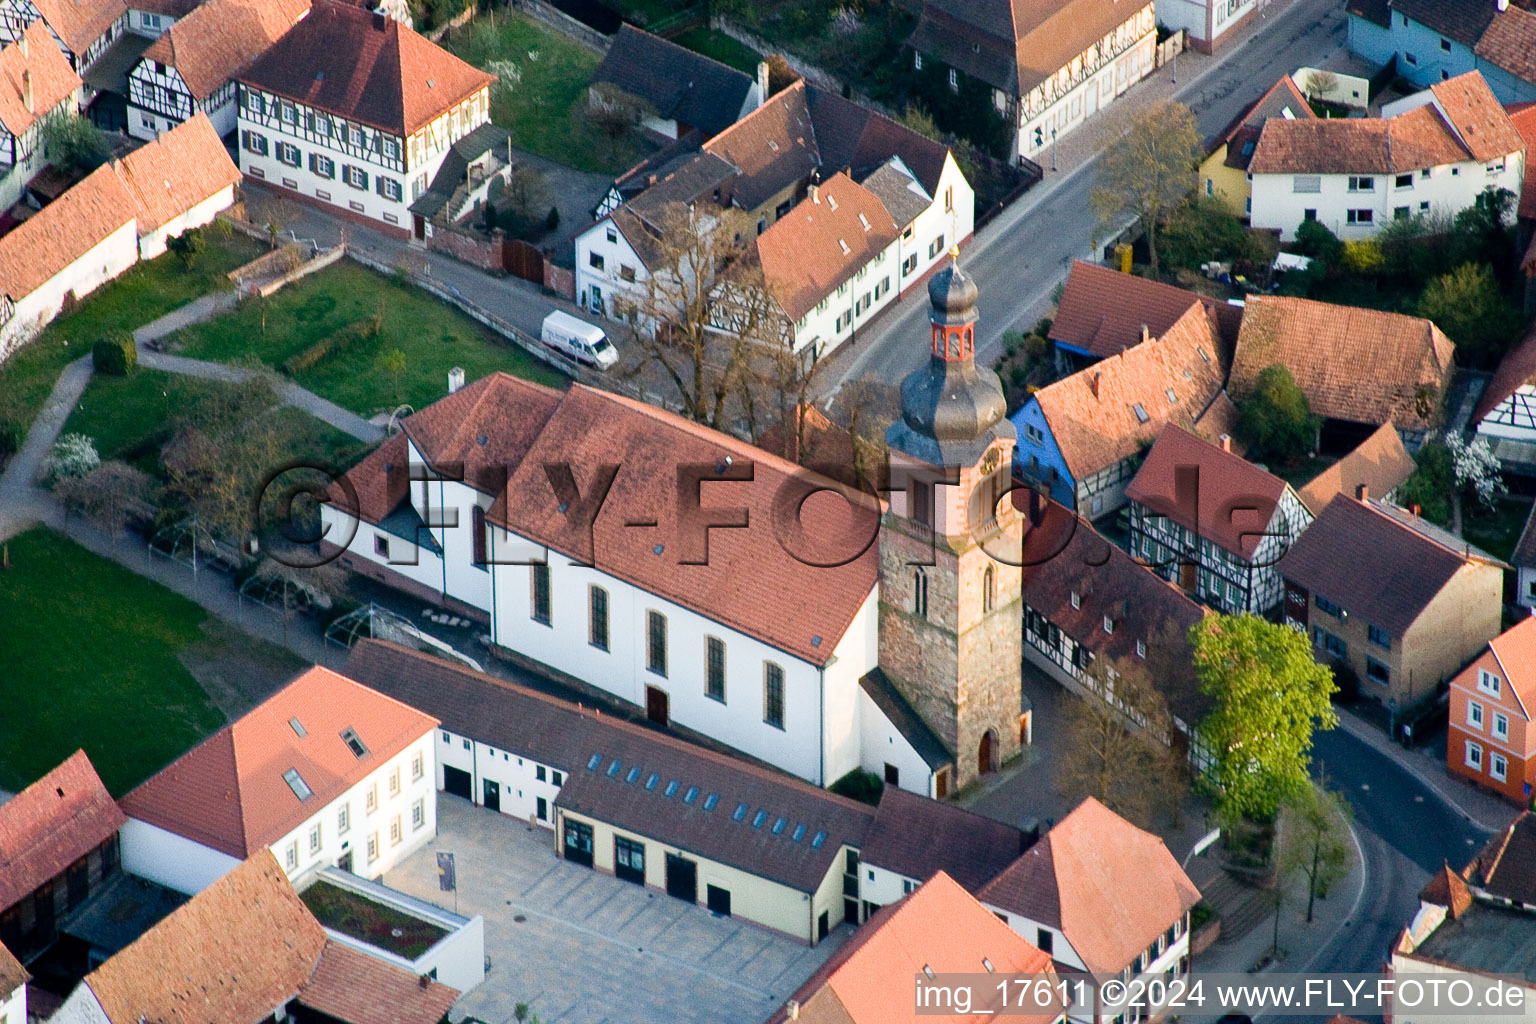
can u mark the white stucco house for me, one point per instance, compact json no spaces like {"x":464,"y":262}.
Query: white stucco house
{"x":325,"y":772}
{"x":355,"y":112}
{"x":1209,"y":23}
{"x":1430,"y":153}
{"x":83,"y":29}
{"x":36,"y":83}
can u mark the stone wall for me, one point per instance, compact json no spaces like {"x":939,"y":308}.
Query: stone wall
{"x":470,"y":247}
{"x":563,"y":23}
{"x":560,"y":280}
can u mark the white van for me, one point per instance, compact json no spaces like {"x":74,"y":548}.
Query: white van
{"x":583,"y":342}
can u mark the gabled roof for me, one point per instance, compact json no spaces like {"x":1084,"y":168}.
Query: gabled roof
{"x":351,"y":986}
{"x":12,"y":974}
{"x":1014,"y":45}
{"x":939,"y":927}
{"x":823,"y":242}
{"x":367,"y":67}
{"x":1411,"y":141}
{"x":1506,"y":867}
{"x":1447,"y":889}
{"x":1354,"y":364}
{"x":1234,"y":502}
{"x":1108,"y":886}
{"x":1102,"y":311}
{"x":79,"y":23}
{"x":1063,"y":555}
{"x":1093,"y":414}
{"x":221,"y":38}
{"x":683,"y":86}
{"x":902,"y":195}
{"x":1515,"y":651}
{"x":230,"y":793}
{"x":1380,"y":462}
{"x":851,"y":137}
{"x":904,"y":717}
{"x":1474,"y":112}
{"x":1509,"y":42}
{"x":918,"y":837}
{"x":1461,"y":20}
{"x":1523,"y":117}
{"x":1372,"y":563}
{"x":51,"y":824}
{"x":175,"y":172}
{"x":507,"y":412}
{"x":63,"y":231}
{"x":1281,"y":100}
{"x":571,"y":738}
{"x":36,"y":56}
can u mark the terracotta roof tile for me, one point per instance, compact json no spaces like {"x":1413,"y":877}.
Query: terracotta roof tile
{"x":347,"y":61}
{"x":1523,"y":117}
{"x":236,"y":950}
{"x":79,"y":23}
{"x":1475,"y":113}
{"x":1509,"y":42}
{"x":507,"y":412}
{"x":378,"y":484}
{"x":51,"y":824}
{"x":1110,"y":887}
{"x":918,"y":837}
{"x":53,"y":81}
{"x":683,"y":86}
{"x":12,"y":974}
{"x":1282,"y":100}
{"x":1328,"y":349}
{"x":938,"y":927}
{"x":228,"y":792}
{"x":823,"y":242}
{"x":1515,"y":650}
{"x":1506,"y":868}
{"x":221,"y":38}
{"x":349,"y":985}
{"x":1449,"y":890}
{"x":1391,"y":587}
{"x":174,"y":173}
{"x":1102,"y":311}
{"x":1093,"y":413}
{"x":1462,"y":21}
{"x":63,"y":231}
{"x":1412,"y":140}
{"x":1380,"y":462}
{"x":771,"y":148}
{"x":566,"y":737}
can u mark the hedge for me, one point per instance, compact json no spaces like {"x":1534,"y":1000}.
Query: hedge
{"x":12,"y":434}
{"x":116,"y":354}
{"x":325,"y":348}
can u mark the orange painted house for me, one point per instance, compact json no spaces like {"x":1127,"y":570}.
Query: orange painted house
{"x":1491,"y":740}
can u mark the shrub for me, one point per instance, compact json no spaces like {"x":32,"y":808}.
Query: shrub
{"x":116,"y":354}
{"x":1364,"y":257}
{"x":1469,"y":307}
{"x":325,"y":348}
{"x":860,"y":785}
{"x":72,"y":455}
{"x":1276,"y":420}
{"x":1315,"y":240}
{"x":12,"y":434}
{"x":552,"y":221}
{"x":186,"y":246}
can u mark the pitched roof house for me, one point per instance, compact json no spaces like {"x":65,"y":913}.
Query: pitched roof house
{"x":239,"y":951}
{"x":1324,"y":346}
{"x":1492,"y":741}
{"x":940,"y":929}
{"x":687,"y":90}
{"x":1505,"y":414}
{"x":1102,"y":312}
{"x":83,"y":30}
{"x":1380,"y":463}
{"x":1405,"y":615}
{"x":180,"y":180}
{"x":36,"y":81}
{"x":1497,"y":39}
{"x":319,"y":742}
{"x":1079,"y":436}
{"x":913,"y":839}
{"x":63,"y":826}
{"x":1224,"y":171}
{"x":1109,"y":895}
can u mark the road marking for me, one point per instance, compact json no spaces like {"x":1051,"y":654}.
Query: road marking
{"x":1418,"y":799}
{"x":1365,"y":786}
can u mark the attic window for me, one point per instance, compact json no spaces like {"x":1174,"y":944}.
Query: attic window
{"x":634,"y":773}
{"x":658,"y":549}
{"x":773,"y":145}
{"x":693,"y":792}
{"x":1203,"y":356}
{"x":928,"y":971}
{"x":613,"y":769}
{"x":354,"y":742}
{"x":817,"y":840}
{"x":297,"y":784}
{"x":831,"y":200}
{"x":1109,"y":624}
{"x":741,"y":812}
{"x":431,"y":84}
{"x":988,"y":965}
{"x":1172,"y":398}
{"x":758,"y":819}
{"x":815,"y":641}
{"x":864,"y":221}
{"x":1141,"y":648}
{"x":1077,"y":600}
{"x":596,"y":760}
{"x":778,"y":826}
{"x":710,"y":801}
{"x":298,"y":727}
{"x":650,"y":783}
{"x":480,"y":440}
{"x":1141,"y":413}
{"x":798,"y":834}
{"x":843,"y":246}
{"x":671,"y":788}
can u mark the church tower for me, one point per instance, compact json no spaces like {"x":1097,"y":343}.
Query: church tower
{"x":951,"y":632}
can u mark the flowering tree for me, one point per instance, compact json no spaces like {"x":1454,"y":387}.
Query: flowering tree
{"x":1475,"y":467}
{"x":72,"y":455}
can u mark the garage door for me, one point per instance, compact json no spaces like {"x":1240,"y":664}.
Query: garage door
{"x":458,"y":782}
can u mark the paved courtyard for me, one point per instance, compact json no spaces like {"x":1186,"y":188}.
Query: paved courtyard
{"x":582,"y":947}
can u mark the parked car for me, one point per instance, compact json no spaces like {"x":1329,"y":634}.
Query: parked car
{"x":586,"y":343}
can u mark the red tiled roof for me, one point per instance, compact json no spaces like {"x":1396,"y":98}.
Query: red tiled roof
{"x":1475,"y":113}
{"x":63,"y":231}
{"x":1523,"y":117}
{"x":1380,"y":462}
{"x":175,"y":172}
{"x":1506,"y":867}
{"x":1412,"y":140}
{"x":347,"y":61}
{"x":1279,"y":100}
{"x":1236,"y":500}
{"x":228,"y":792}
{"x":823,"y":242}
{"x":938,"y":927}
{"x":234,"y":952}
{"x":1449,"y":890}
{"x":1359,"y":365}
{"x":1515,"y":651}
{"x":51,"y":824}
{"x":1110,"y":887}
{"x":1509,"y":42}
{"x":349,"y":985}
{"x":1093,"y":413}
{"x":1102,"y":311}
{"x":12,"y":974}
{"x":79,"y":23}
{"x":221,"y":38}
{"x":506,"y":411}
{"x":52,"y":80}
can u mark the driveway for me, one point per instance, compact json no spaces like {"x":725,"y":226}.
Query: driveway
{"x":581,"y":947}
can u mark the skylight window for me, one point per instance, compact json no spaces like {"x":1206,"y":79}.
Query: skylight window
{"x":864,"y":221}
{"x":298,"y":727}
{"x":759,"y":818}
{"x":819,"y":838}
{"x":354,"y":742}
{"x":596,"y":760}
{"x":688,"y":797}
{"x":672,"y":788}
{"x":798,"y":834}
{"x":1203,"y":356}
{"x":650,"y":783}
{"x":741,"y":812}
{"x":988,"y":965}
{"x":710,"y":801}
{"x":297,"y":784}
{"x":634,"y":773}
{"x":613,"y":769}
{"x":778,"y":826}
{"x":928,"y":971}
{"x":1171,"y":396}
{"x":1141,"y":413}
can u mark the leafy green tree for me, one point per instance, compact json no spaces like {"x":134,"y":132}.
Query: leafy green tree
{"x":1430,"y":486}
{"x":1484,"y":232}
{"x":1314,"y":240}
{"x":1270,"y":696}
{"x":1319,"y":845}
{"x":1276,"y":421}
{"x":1203,"y":229}
{"x":1469,"y":307}
{"x":187,"y":246}
{"x":1148,"y":170}
{"x":392,"y":362}
{"x":74,"y":144}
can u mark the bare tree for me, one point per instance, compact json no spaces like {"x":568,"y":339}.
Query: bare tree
{"x":1318,"y":846}
{"x":614,"y":112}
{"x":781,"y":380}
{"x":528,"y":193}
{"x":1321,"y":83}
{"x":868,"y":405}
{"x":703,"y":307}
{"x":273,"y":213}
{"x":222,"y":453}
{"x":1149,"y":169}
{"x":107,"y":496}
{"x":300,"y":587}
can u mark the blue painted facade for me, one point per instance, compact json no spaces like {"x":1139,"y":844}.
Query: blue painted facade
{"x":1425,"y":57}
{"x":1037,"y":459}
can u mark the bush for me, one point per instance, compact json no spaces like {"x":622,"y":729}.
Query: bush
{"x":12,"y":434}
{"x":1201,"y":914}
{"x":1364,"y":257}
{"x":1429,"y":488}
{"x":116,"y":354}
{"x":325,"y":348}
{"x":1276,"y":420}
{"x":859,"y":785}
{"x":1469,"y":307}
{"x":186,"y":246}
{"x":552,"y":221}
{"x":1315,"y":240}
{"x":72,"y":455}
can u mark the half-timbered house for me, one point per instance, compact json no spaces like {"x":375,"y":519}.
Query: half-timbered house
{"x":83,"y":29}
{"x":190,"y":68}
{"x":151,"y":18}
{"x":355,"y":112}
{"x":36,"y":82}
{"x":1505,"y":415}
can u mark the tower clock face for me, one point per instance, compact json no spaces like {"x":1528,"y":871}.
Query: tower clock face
{"x":991,"y":461}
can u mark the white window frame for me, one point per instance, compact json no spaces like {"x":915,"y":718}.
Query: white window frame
{"x":1475,"y":715}
{"x":1498,"y":766}
{"x":1474,"y":755}
{"x":1500,"y":725}
{"x":1488,"y":682}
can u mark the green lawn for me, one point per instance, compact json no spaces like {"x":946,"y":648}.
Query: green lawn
{"x":147,"y":291}
{"x":716,"y":44}
{"x":92,"y":662}
{"x":542,"y":94}
{"x":433,"y":336}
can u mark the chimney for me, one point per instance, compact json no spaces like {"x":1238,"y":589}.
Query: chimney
{"x":425,"y":981}
{"x":26,"y":91}
{"x":792,"y":1007}
{"x":1501,"y":5}
{"x":815,"y":193}
{"x":1415,"y":509}
{"x":762,"y":82}
{"x":1093,"y":383}
{"x":1362,"y":492}
{"x":455,"y":379}
{"x":21,"y":43}
{"x":380,"y":21}
{"x":1146,"y":333}
{"x":1225,"y":440}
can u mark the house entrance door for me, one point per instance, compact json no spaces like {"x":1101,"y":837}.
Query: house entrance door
{"x":492,"y":791}
{"x":657,"y":705}
{"x":682,"y":878}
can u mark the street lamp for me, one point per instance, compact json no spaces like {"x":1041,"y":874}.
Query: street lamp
{"x":1175,"y":67}
{"x":1053,"y":149}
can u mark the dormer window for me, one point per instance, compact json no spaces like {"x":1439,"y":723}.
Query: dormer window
{"x":354,"y":742}
{"x":1141,"y":413}
{"x":1141,"y":648}
{"x":1077,"y":600}
{"x":1109,"y":624}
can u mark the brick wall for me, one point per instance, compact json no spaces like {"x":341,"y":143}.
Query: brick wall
{"x":469,"y":246}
